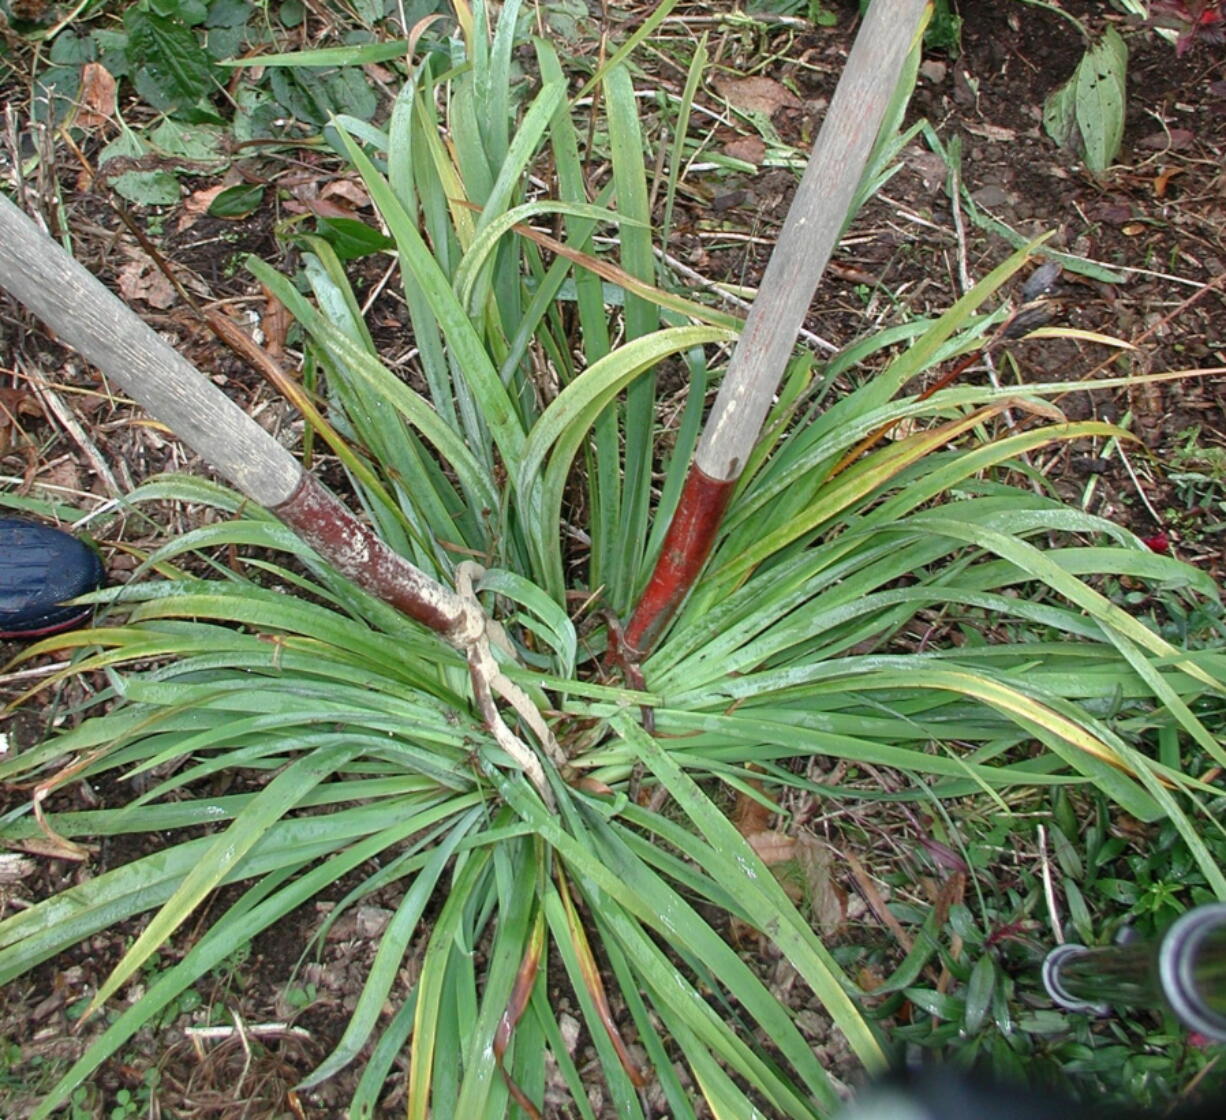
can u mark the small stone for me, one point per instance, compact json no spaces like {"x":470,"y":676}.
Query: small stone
{"x":993,"y":196}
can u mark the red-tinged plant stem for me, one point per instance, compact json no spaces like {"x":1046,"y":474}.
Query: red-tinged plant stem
{"x":812,"y":228}
{"x":687,"y":544}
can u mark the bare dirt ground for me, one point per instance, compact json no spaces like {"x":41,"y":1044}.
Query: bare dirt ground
{"x":1157,"y":219}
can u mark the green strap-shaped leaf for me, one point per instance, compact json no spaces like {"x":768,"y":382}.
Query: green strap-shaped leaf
{"x":781,"y":920}
{"x":280,"y":795}
{"x":567,"y":420}
{"x":467,"y":349}
{"x":549,"y":621}
{"x":389,"y":958}
{"x":262,"y":905}
{"x":490,"y":232}
{"x":434,"y":980}
{"x":360,"y":363}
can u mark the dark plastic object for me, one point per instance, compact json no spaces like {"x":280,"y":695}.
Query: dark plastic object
{"x":40,"y":567}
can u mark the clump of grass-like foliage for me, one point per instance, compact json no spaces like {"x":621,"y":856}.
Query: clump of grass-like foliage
{"x":526,"y":445}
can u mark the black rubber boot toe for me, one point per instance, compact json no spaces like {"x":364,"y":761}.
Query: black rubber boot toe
{"x":40,"y":567}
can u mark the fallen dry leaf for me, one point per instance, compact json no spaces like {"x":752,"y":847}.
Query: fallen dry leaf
{"x":772,"y":847}
{"x":198,"y":202}
{"x":752,"y":149}
{"x":827,"y":899}
{"x":869,"y":892}
{"x":1176,"y":139}
{"x":1163,"y":180}
{"x":55,"y":848}
{"x":64,"y":474}
{"x":14,"y":868}
{"x":932,"y":168}
{"x":758,"y":94}
{"x":274,"y":322}
{"x":13,"y":404}
{"x":320,"y":207}
{"x":96,"y":101}
{"x":379,"y":74}
{"x":869,"y":978}
{"x":142,"y":279}
{"x":345,"y":190}
{"x":992,"y":131}
{"x":750,"y":815}
{"x":1035,"y":407}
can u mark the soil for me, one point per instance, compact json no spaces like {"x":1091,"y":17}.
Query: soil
{"x":1157,"y":220}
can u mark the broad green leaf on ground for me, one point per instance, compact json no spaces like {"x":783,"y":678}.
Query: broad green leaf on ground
{"x":1087,"y":112}
{"x":169,"y":66}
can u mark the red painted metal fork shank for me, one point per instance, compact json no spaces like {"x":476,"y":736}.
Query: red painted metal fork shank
{"x":687,"y":544}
